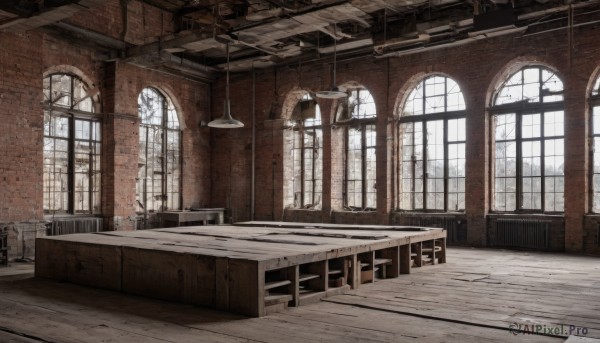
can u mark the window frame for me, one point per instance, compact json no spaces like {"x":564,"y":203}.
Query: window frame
{"x":362,"y":125}
{"x":142,"y":194}
{"x":423,"y":119}
{"x":299,"y":127}
{"x":73,"y":116}
{"x":520,"y":109}
{"x":594,"y":102}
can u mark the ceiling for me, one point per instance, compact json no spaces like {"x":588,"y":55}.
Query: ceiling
{"x":264,"y":33}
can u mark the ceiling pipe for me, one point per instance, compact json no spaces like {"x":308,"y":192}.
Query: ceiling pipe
{"x":253,"y":189}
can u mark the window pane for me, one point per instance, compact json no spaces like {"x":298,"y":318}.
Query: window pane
{"x":596,"y":119}
{"x":531,"y":126}
{"x":61,"y":90}
{"x":81,"y":100}
{"x":596,"y":89}
{"x":531,"y":84}
{"x":435,"y":164}
{"x":506,"y":128}
{"x":552,"y":87}
{"x":371,"y":167}
{"x":354,"y":169}
{"x":457,"y":130}
{"x":554,"y":124}
{"x":364,"y":104}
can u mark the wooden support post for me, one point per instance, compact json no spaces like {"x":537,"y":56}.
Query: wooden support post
{"x":393,"y":269}
{"x":405,"y":259}
{"x":433,"y":253}
{"x":222,"y":283}
{"x":442,"y":252}
{"x":246,"y":288}
{"x":294,"y":287}
{"x":418,"y":254}
{"x":354,"y":272}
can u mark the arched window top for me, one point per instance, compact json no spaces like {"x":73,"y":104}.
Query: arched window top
{"x":533,"y":84}
{"x":434,"y":94}
{"x":596,"y":89}
{"x":363,"y":103}
{"x":306,"y":112}
{"x":153,"y":106}
{"x":67,"y":91}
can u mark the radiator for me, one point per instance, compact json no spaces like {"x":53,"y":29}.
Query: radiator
{"x":522,"y":233}
{"x":3,"y":247}
{"x":456,"y":228}
{"x":64,"y":226}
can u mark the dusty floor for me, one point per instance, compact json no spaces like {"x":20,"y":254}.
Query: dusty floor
{"x":478,"y":296}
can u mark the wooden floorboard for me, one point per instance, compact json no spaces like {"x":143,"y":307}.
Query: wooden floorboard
{"x":475,"y":297}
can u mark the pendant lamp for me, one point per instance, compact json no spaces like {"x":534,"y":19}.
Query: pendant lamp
{"x":334,"y":93}
{"x":226,"y":121}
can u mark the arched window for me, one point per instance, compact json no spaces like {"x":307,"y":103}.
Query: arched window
{"x":595,"y":104}
{"x":72,"y":147}
{"x":307,"y":154}
{"x":528,"y":119}
{"x":360,"y":138}
{"x":432,"y":151}
{"x":159,"y":167}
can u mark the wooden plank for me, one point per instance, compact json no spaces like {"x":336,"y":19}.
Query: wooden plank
{"x":306,"y":277}
{"x":405,"y":259}
{"x":275,"y":284}
{"x":275,"y":224}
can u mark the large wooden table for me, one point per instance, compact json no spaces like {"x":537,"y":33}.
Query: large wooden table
{"x":242,"y":269}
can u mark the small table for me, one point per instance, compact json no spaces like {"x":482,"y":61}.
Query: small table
{"x":196,"y":215}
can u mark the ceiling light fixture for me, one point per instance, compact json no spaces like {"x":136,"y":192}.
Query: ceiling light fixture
{"x":226,"y":121}
{"x":334,"y":93}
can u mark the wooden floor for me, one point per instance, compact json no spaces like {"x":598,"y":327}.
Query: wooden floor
{"x":475,"y":297}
